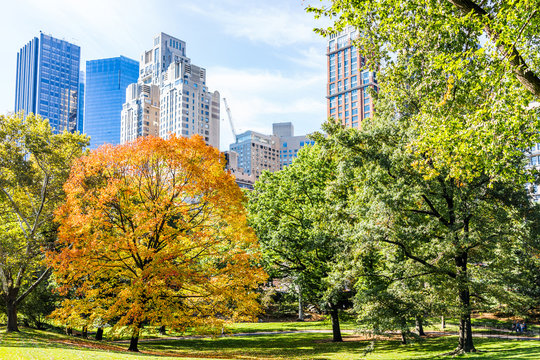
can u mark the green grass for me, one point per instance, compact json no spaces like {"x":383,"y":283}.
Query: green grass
{"x":288,"y":326}
{"x":33,"y":344}
{"x":248,"y":328}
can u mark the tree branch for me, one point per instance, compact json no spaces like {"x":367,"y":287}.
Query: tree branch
{"x":36,"y":283}
{"x":523,"y":73}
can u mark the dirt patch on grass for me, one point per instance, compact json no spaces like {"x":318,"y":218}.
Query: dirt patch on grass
{"x":385,"y":337}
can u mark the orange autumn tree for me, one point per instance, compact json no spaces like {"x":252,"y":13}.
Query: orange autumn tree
{"x":154,"y":232}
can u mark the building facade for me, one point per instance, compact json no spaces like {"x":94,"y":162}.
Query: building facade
{"x":186,"y":106}
{"x":47,"y":81}
{"x":256,"y":152}
{"x":80,"y":105}
{"x":106,"y":84}
{"x":140,"y":112}
{"x":243,"y":179}
{"x":348,"y":95}
{"x":289,"y":144}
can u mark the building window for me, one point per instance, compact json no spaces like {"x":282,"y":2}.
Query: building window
{"x":353,"y":81}
{"x":332,"y":101}
{"x":365,"y":77}
{"x":332,"y":88}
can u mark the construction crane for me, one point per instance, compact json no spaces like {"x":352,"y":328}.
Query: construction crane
{"x":230,"y":118}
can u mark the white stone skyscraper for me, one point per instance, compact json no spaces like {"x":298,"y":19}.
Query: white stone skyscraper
{"x":186,"y":107}
{"x":140,"y":112}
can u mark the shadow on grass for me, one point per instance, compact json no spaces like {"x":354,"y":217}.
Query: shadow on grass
{"x":279,"y":346}
{"x":37,"y":339}
{"x":289,"y":346}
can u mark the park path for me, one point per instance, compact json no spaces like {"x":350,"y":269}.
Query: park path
{"x":262,"y":333}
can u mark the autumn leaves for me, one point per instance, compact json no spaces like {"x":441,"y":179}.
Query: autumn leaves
{"x":154,"y":233}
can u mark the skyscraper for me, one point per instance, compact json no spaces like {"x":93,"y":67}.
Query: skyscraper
{"x":47,"y":81}
{"x":106,"y":84}
{"x":140,"y":112}
{"x":348,"y":95}
{"x":186,"y":107}
{"x":80,"y":105}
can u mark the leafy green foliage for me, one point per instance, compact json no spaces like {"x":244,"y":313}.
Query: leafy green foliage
{"x":34,"y":163}
{"x":292,"y":216}
{"x":472,"y":70}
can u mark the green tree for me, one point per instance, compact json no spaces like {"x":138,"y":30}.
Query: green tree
{"x":474,"y":74}
{"x":34,"y":163}
{"x":291,"y":214}
{"x":461,"y":236}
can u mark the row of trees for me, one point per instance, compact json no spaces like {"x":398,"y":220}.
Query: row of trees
{"x":425,"y":210}
{"x":152,"y":233}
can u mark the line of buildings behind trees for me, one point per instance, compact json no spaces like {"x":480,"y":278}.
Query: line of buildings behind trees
{"x":119,"y":99}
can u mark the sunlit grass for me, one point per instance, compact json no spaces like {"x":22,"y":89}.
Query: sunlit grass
{"x":33,"y":344}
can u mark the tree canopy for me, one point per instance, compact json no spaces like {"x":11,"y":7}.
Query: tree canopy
{"x":154,"y":232}
{"x":292,"y":214}
{"x":34,"y":163}
{"x":474,"y":70}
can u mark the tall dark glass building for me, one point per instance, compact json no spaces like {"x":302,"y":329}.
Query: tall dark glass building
{"x":105,"y":93}
{"x":47,"y":81}
{"x":80,"y":105}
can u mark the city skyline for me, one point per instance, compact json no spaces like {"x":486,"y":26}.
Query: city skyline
{"x":265,"y":59}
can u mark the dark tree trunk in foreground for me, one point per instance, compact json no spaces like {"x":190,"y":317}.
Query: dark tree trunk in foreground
{"x":420,"y":326}
{"x":134,"y":341}
{"x":84,"y":333}
{"x":403,"y":338}
{"x":336,"y":332}
{"x":465,"y":330}
{"x":99,"y":334}
{"x":11,"y":309}
{"x":162,"y":330}
{"x":300,"y":304}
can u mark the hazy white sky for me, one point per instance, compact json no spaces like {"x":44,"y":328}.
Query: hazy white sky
{"x":262,"y":55}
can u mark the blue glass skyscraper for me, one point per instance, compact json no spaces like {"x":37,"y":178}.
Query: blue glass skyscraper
{"x":47,"y":81}
{"x":106,"y":83}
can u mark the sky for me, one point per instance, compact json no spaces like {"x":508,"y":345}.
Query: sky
{"x":261,"y":55}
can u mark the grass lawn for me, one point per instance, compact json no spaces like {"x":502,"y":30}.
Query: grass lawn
{"x":33,"y":344}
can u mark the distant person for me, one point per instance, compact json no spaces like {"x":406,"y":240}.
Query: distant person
{"x":514,"y":327}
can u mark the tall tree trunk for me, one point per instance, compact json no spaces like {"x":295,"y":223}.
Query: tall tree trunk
{"x":11,"y":309}
{"x":443,"y":322}
{"x":420,"y":326}
{"x":99,"y":334}
{"x":84,"y":333}
{"x":162,"y":330}
{"x":300,"y":304}
{"x":403,"y":338}
{"x":336,"y":332}
{"x":69,"y":330}
{"x":134,"y":341}
{"x":465,"y":330}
